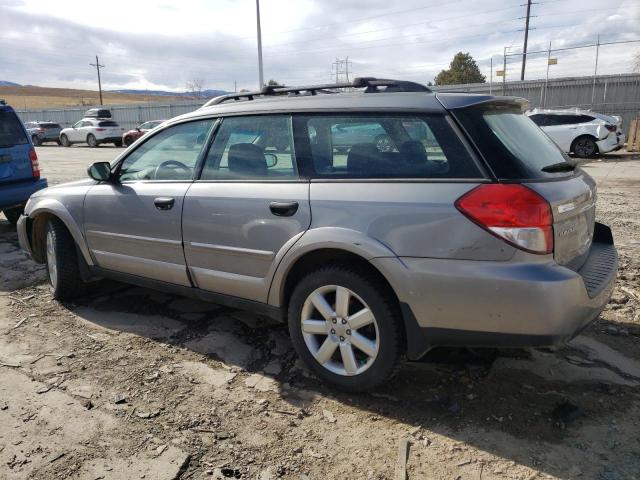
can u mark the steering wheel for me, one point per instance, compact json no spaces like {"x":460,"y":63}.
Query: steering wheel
{"x":170,"y":164}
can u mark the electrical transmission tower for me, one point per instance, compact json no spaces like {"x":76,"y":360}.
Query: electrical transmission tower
{"x":341,"y":70}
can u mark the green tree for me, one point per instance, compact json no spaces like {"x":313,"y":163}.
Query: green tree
{"x":462,"y":69}
{"x":273,"y":83}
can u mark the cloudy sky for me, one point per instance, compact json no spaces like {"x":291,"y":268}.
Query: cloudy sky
{"x":165,"y":43}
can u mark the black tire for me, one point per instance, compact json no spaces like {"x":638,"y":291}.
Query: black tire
{"x":584,"y":147}
{"x":59,"y":142}
{"x":91,"y":141}
{"x":65,"y":141}
{"x":36,"y":140}
{"x":381,"y":302}
{"x":128,"y":141}
{"x":118,"y":143}
{"x":13,"y":214}
{"x":65,"y":280}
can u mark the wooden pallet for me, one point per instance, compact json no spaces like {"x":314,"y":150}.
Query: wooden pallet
{"x":633,"y":140}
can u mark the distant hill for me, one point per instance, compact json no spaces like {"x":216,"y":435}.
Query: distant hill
{"x":163,"y":93}
{"x":5,"y":83}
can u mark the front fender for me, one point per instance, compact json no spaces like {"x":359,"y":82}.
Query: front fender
{"x":39,"y":206}
{"x":336,"y":238}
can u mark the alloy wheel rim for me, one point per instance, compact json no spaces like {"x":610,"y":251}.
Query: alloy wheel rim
{"x":340,"y":330}
{"x":584,"y":147}
{"x":51,"y":260}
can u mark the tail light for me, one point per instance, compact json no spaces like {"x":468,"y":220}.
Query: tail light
{"x":100,"y":129}
{"x":513,"y":213}
{"x":611,"y":128}
{"x":35,"y":166}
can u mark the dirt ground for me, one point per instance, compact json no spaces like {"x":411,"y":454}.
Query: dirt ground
{"x":128,"y":383}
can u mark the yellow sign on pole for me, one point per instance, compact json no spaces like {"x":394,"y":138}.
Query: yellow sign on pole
{"x":499,"y":73}
{"x":553,"y":61}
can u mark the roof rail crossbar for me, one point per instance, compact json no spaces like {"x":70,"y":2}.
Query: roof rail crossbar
{"x":370,"y":84}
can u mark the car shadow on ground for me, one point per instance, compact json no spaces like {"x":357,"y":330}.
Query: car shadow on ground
{"x":546,"y":396}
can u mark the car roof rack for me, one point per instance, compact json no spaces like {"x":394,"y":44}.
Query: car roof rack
{"x":370,"y":84}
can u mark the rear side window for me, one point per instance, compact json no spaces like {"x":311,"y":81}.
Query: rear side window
{"x":385,"y":146}
{"x":107,"y":124}
{"x":11,"y":131}
{"x":511,"y":143}
{"x":49,"y":125}
{"x":252,"y":148}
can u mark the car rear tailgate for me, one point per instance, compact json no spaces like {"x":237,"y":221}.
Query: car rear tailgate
{"x":15,"y":164}
{"x":573,"y":204}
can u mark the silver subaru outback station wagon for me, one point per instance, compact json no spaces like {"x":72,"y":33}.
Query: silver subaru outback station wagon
{"x":379,"y":220}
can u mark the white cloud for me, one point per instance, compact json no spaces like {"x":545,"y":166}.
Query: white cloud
{"x":163,"y":45}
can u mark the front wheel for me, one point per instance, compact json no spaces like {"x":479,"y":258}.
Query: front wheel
{"x":36,"y":140}
{"x":118,"y":143}
{"x":91,"y":141}
{"x":63,"y":272}
{"x":13,"y":214}
{"x":65,"y":141}
{"x":585,"y":147}
{"x":346,"y":327}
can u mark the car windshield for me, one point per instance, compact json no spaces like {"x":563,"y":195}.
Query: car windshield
{"x":11,"y":132}
{"x":512,"y":144}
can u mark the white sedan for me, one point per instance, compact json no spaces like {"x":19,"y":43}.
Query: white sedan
{"x":93,"y":132}
{"x":580,"y":132}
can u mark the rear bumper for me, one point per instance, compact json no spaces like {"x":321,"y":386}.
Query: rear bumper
{"x":611,"y":143}
{"x":500,"y":304}
{"x":15,"y":194}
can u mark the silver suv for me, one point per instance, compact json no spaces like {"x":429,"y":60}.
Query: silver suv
{"x":466,"y":227}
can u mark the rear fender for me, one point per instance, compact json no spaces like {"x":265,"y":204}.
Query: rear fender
{"x":344,"y":239}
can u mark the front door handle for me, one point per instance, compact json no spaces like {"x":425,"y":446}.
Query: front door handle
{"x":164,"y":203}
{"x":283,"y":209}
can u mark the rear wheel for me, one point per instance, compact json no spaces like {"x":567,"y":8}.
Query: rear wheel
{"x":62,"y":262}
{"x":118,"y":143}
{"x":36,"y":140}
{"x":58,"y":142}
{"x":584,"y":147}
{"x":91,"y":141}
{"x":65,"y":141}
{"x":128,"y":141}
{"x":13,"y":214}
{"x":346,"y":327}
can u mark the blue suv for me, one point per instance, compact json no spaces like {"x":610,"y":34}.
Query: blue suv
{"x":19,"y":169}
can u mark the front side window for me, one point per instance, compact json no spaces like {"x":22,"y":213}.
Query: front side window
{"x":386,"y":146}
{"x":252,"y":148}
{"x":78,"y":124}
{"x":171,"y":154}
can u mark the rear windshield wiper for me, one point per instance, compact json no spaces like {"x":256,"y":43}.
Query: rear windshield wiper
{"x":559,"y":167}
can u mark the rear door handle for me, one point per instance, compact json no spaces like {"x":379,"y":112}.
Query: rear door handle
{"x":283,"y":209}
{"x":164,"y":203}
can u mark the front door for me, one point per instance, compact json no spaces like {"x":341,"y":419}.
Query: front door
{"x":248,"y":207}
{"x":133,"y":224}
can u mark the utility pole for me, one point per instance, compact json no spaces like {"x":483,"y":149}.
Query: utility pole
{"x":235,"y":86}
{"x":260,"y":73}
{"x":98,"y":67}
{"x":526,"y":38}
{"x":595,"y":72}
{"x":504,"y":70}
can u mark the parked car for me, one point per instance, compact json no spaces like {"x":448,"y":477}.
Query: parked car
{"x":475,"y":231}
{"x":97,"y":113}
{"x":580,"y":132}
{"x":93,"y":132}
{"x":132,"y":135}
{"x":42,"y":132}
{"x":19,"y":169}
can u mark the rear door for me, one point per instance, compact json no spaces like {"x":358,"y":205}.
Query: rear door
{"x":15,"y":164}
{"x":247,"y":208}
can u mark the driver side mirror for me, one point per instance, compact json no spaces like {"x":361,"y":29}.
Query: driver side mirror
{"x":271,"y":159}
{"x":100,"y":171}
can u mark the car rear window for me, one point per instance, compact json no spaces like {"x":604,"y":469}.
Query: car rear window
{"x":384,"y":146}
{"x":11,"y":131}
{"x":512,"y":144}
{"x":107,"y":124}
{"x":49,"y":125}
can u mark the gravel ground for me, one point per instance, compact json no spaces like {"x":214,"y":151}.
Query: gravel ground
{"x":131,"y":383}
